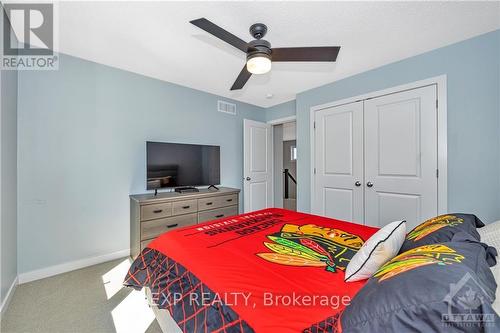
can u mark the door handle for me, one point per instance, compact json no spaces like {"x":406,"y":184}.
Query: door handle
{"x":248,"y":179}
{"x":357,"y":183}
{"x":369,"y":184}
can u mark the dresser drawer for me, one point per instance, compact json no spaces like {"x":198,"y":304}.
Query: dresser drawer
{"x":145,"y":243}
{"x":228,"y":200}
{"x":217,"y":202}
{"x":156,"y":211}
{"x":219,"y":213}
{"x":154,"y":228}
{"x":184,"y":207}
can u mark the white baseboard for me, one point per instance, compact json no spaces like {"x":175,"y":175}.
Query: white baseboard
{"x":70,"y":266}
{"x":8,"y":297}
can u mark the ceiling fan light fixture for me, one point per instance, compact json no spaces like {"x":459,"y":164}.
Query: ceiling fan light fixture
{"x":259,"y":63}
{"x":259,"y":51}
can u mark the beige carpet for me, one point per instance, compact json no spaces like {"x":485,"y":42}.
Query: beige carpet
{"x":78,"y":302}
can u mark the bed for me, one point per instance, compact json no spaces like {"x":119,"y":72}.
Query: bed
{"x":268,"y":271}
{"x":280,"y":271}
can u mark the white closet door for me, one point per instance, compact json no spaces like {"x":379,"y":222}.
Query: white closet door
{"x":338,"y":153}
{"x":257,"y":163}
{"x":401,"y":157}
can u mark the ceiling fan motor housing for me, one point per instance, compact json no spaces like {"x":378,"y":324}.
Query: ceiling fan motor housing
{"x":259,"y":47}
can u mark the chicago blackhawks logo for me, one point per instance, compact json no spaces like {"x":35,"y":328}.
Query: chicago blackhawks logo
{"x":312,"y":246}
{"x":418,"y":257}
{"x":432,"y":225}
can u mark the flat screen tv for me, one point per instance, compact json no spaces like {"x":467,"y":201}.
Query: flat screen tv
{"x":177,"y":165}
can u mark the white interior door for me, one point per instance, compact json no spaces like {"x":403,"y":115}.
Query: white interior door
{"x":257,"y":162}
{"x":401,"y":157}
{"x":338,"y":178}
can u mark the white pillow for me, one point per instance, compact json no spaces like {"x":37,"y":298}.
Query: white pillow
{"x":376,"y":251}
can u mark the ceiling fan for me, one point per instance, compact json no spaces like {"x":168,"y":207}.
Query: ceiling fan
{"x":259,"y":51}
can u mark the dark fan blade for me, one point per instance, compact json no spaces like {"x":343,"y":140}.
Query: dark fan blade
{"x":241,"y":79}
{"x":218,"y":32}
{"x":327,"y":53}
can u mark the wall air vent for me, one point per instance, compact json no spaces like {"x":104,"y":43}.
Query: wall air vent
{"x":226,"y":107}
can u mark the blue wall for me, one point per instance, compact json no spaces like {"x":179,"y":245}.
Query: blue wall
{"x":472,"y":68}
{"x":8,"y":176}
{"x":8,"y":182}
{"x":282,"y":110}
{"x":82,"y":133}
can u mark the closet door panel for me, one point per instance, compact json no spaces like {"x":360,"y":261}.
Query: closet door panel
{"x":400,"y":144}
{"x":338,"y":158}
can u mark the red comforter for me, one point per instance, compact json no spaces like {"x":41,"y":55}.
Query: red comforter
{"x":279,"y":271}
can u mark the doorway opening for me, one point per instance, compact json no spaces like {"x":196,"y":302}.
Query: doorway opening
{"x":285,"y":165}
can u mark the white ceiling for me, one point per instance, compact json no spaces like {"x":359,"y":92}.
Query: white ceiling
{"x":156,"y":39}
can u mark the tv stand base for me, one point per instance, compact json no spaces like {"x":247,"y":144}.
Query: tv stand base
{"x":186,"y":189}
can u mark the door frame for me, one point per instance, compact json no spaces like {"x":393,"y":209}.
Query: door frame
{"x":284,"y":120}
{"x":442,"y":125}
{"x":280,"y":121}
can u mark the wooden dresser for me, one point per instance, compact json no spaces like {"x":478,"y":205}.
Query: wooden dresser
{"x":151,"y":216}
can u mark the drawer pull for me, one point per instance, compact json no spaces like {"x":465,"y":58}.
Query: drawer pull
{"x":172,"y":225}
{"x":220,"y":215}
{"x":157,"y":211}
{"x":185,"y":207}
{"x":229,"y":200}
{"x":209,"y":203}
